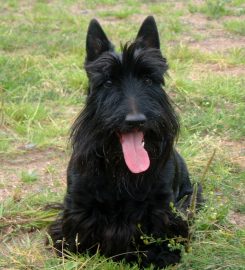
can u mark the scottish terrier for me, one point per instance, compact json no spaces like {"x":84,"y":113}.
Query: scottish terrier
{"x":125,"y":178}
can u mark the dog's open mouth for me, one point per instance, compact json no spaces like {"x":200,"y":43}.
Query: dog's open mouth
{"x":135,"y":155}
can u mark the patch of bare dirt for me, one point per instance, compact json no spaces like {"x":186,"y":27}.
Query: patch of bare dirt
{"x":232,"y":17}
{"x":237,"y":219}
{"x":200,"y":25}
{"x":196,"y":21}
{"x":49,"y":165}
{"x":79,"y":10}
{"x":199,"y":70}
{"x":236,"y":152}
{"x":215,"y":38}
{"x":219,"y":44}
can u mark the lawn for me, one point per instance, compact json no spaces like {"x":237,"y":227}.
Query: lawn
{"x":43,"y":87}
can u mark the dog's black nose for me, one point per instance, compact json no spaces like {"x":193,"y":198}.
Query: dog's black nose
{"x":135,"y":119}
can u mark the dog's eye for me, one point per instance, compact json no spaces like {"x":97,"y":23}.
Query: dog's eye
{"x":148,"y":81}
{"x":107,"y":84}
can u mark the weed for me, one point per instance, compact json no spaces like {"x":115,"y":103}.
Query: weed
{"x":29,"y":176}
{"x":215,"y":9}
{"x":235,"y":26}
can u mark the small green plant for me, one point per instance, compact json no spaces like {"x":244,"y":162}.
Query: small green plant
{"x":216,"y":8}
{"x":212,"y":8}
{"x":175,"y":26}
{"x":193,"y":8}
{"x":149,"y":239}
{"x":175,"y":244}
{"x":29,"y":176}
{"x":235,"y":26}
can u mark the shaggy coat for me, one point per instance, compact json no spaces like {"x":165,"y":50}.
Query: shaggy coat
{"x":108,"y":207}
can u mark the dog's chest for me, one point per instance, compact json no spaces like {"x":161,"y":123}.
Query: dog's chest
{"x":130,"y":205}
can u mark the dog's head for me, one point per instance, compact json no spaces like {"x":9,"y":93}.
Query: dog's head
{"x":126,"y":105}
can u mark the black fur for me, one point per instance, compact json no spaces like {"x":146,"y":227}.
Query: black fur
{"x":107,"y":207}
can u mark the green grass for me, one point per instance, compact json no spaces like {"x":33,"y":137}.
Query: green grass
{"x":29,"y":176}
{"x":212,"y":8}
{"x":43,"y":87}
{"x":215,"y":9}
{"x":119,"y":14}
{"x":235,"y":26}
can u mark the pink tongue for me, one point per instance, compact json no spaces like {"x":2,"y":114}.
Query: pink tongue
{"x":135,"y":156}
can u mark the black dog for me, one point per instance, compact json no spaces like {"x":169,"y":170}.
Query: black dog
{"x":124,"y":172}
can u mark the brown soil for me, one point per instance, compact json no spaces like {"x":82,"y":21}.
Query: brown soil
{"x":199,"y":70}
{"x":218,"y":44}
{"x":215,"y":38}
{"x":236,"y":152}
{"x":196,"y":21}
{"x":237,"y":219}
{"x":49,"y":166}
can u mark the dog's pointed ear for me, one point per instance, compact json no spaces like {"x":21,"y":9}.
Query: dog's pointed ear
{"x":148,"y":33}
{"x":97,"y":41}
